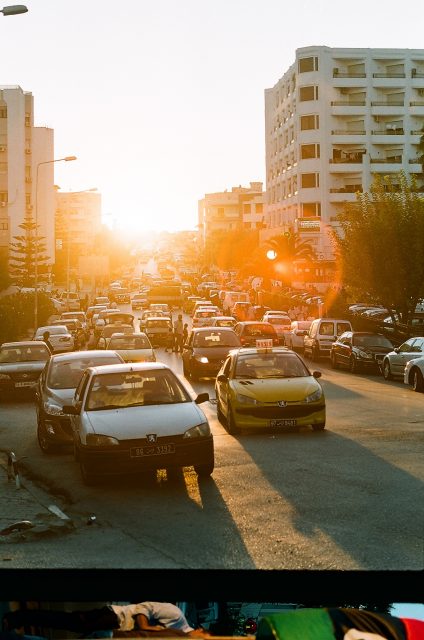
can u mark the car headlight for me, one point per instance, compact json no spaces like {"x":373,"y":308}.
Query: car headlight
{"x":313,"y":397}
{"x":241,"y":399}
{"x":53,"y":409}
{"x":95,"y":440}
{"x":202,"y":359}
{"x":200,"y":431}
{"x":364,"y":354}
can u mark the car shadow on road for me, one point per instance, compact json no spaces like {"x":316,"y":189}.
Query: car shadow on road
{"x":372,"y":516}
{"x":161,"y":498}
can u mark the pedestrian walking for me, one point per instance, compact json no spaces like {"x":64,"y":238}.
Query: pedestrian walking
{"x":46,"y":339}
{"x":185,"y":333}
{"x":178,"y":334}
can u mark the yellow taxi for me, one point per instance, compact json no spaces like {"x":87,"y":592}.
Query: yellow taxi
{"x":268,"y":387}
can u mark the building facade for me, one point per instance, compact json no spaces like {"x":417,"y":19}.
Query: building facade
{"x":23,"y":148}
{"x":242,"y":208}
{"x":335,"y":119}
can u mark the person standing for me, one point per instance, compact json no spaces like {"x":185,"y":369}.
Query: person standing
{"x":46,"y":339}
{"x":178,"y":334}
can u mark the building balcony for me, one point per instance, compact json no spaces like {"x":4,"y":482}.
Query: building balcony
{"x":388,"y":132}
{"x":353,"y":159}
{"x":348,"y":103}
{"x":393,"y":160}
{"x":417,"y":74}
{"x":352,"y":74}
{"x":384,"y":103}
{"x":417,"y":132}
{"x":388,"y":75}
{"x":337,"y":195}
{"x":348,"y":107}
{"x":346,"y":132}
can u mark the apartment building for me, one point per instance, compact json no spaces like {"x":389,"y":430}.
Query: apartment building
{"x":335,"y":119}
{"x":238,"y":209}
{"x":22,"y":148}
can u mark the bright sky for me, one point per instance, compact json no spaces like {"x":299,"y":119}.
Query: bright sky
{"x":163,"y":101}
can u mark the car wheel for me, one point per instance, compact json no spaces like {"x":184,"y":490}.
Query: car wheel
{"x":353,"y":365}
{"x":319,"y":427}
{"x":387,"y":373}
{"x":232,"y":427}
{"x":43,"y":438}
{"x":204,"y":470}
{"x":417,"y":381}
{"x":334,"y":363}
{"x":87,"y":477}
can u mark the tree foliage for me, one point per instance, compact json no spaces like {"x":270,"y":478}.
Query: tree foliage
{"x":228,"y":250}
{"x":17,"y":314}
{"x":381,"y":247}
{"x":4,"y":272}
{"x":25,"y":251}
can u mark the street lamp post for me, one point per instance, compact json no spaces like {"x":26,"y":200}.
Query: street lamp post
{"x":14,"y":9}
{"x":65,"y":159}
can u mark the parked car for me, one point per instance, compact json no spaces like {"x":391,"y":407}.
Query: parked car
{"x":252,"y":334}
{"x":56,"y":387}
{"x":358,"y":350}
{"x":294,"y":339}
{"x":60,"y":337}
{"x":21,"y":364}
{"x":206,"y":349}
{"x":321,"y":335}
{"x":133,"y":418}
{"x":268,"y":388}
{"x":132,"y":347}
{"x":394,"y":362}
{"x":414,"y":374}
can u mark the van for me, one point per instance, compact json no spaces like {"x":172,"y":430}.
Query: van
{"x":230,"y":297}
{"x":322,"y":333}
{"x":70,"y":301}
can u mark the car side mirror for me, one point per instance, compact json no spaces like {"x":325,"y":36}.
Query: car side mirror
{"x":396,"y":349}
{"x":202,"y":397}
{"x":222,"y":377}
{"x":70,"y":409}
{"x":317,"y":374}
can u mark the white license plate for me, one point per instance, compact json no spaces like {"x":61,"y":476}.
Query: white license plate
{"x":25,"y":384}
{"x":152,"y":450}
{"x":283,"y":423}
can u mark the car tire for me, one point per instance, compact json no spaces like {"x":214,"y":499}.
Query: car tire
{"x":43,"y":439}
{"x":387,"y":372}
{"x":319,"y":427}
{"x":353,"y":365}
{"x":88,"y":478}
{"x":205,"y":470}
{"x":417,"y":380}
{"x":232,"y":427}
{"x":334,"y":363}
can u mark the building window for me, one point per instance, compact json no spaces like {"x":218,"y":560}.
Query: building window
{"x":3,"y":196}
{"x":309,"y":180}
{"x":220,"y":212}
{"x":3,"y":167}
{"x":311,"y":209}
{"x":27,"y":119}
{"x":4,"y":226}
{"x":259,"y":207}
{"x":308,"y":151}
{"x":308,"y":64}
{"x":308,"y":93}
{"x":309,"y":122}
{"x":3,"y":112}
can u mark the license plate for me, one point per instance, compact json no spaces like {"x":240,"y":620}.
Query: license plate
{"x":264,"y":343}
{"x":152,"y":450}
{"x":25,"y":384}
{"x":283,"y":423}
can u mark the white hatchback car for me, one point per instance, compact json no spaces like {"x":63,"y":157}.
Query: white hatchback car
{"x":60,"y":338}
{"x":414,"y":374}
{"x":129,"y":418}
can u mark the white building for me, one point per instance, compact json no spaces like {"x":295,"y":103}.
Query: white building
{"x":334,"y":119}
{"x":22,"y":148}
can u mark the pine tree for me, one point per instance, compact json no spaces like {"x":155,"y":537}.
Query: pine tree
{"x":24,"y":251}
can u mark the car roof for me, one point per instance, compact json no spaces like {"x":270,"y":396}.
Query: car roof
{"x":253,"y":350}
{"x":128,"y":367}
{"x":23,"y":343}
{"x":78,"y":355}
{"x":51,"y":326}
{"x":200,"y":329}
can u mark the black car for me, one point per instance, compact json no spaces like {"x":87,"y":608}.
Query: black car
{"x":256,"y":334}
{"x":206,"y":349}
{"x":21,"y":364}
{"x":358,"y":350}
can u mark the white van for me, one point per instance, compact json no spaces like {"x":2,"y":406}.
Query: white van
{"x":322,"y":333}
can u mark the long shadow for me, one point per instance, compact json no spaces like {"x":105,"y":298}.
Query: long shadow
{"x":369,"y":508}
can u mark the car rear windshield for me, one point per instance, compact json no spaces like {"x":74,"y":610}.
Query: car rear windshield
{"x":260,"y":330}
{"x":216,"y":339}
{"x":134,"y":389}
{"x":279,"y":320}
{"x":24,"y":354}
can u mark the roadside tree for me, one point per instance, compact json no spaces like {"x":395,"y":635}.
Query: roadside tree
{"x":25,"y":250}
{"x":381,"y":245}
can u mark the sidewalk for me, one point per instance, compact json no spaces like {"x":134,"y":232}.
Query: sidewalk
{"x":27,"y":512}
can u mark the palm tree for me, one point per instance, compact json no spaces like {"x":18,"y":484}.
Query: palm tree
{"x":289,"y":250}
